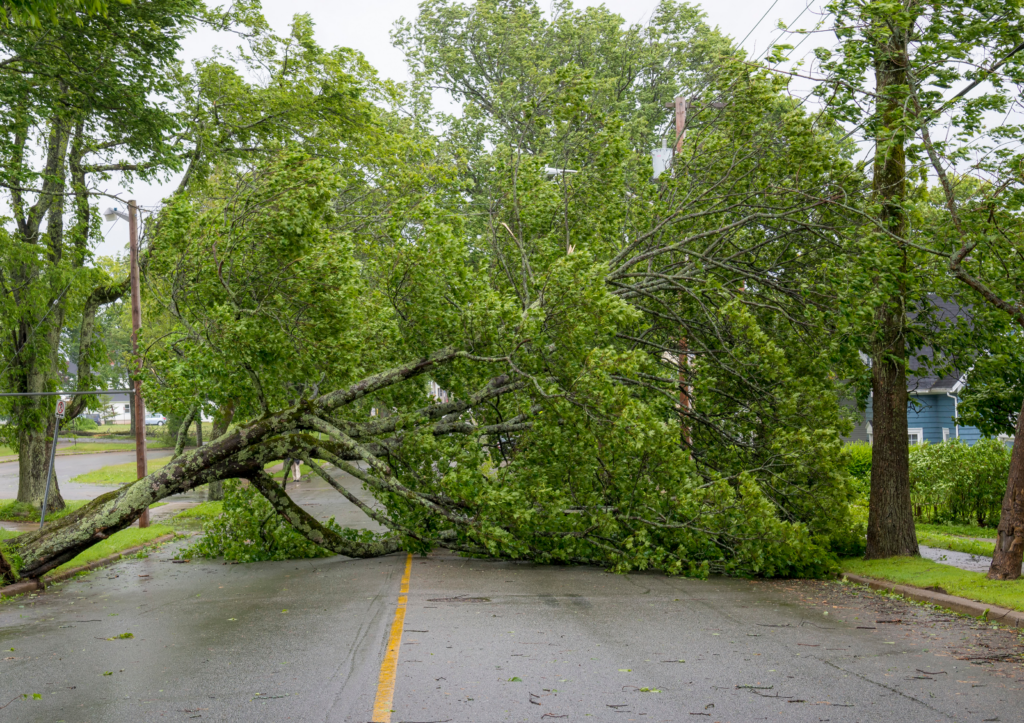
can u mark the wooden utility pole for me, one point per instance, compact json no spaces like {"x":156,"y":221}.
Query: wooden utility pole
{"x":140,"y":406}
{"x":679,"y":105}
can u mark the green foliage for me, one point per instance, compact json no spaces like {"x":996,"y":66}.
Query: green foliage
{"x":954,"y":481}
{"x":858,"y":463}
{"x":992,"y":399}
{"x":248,"y":530}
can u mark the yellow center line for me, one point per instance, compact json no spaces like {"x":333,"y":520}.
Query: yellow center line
{"x":389,"y":668}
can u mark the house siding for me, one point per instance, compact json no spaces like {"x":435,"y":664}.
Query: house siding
{"x":928,"y":412}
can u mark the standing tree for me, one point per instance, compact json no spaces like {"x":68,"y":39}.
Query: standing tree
{"x":949,"y":67}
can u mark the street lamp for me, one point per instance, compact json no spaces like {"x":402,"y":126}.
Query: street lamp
{"x":112,"y":214}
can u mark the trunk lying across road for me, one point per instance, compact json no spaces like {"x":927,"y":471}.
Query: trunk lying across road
{"x":245,"y":451}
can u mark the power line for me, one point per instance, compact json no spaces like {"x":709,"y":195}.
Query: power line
{"x":740,"y":44}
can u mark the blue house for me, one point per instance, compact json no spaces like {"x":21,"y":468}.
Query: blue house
{"x":931,"y":413}
{"x":932,"y":408}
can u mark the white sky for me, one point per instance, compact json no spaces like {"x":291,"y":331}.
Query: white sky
{"x":365,"y":26}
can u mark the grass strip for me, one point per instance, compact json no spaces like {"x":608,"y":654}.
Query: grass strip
{"x":957,"y":544}
{"x":128,"y":537}
{"x":202,"y":511}
{"x":923,"y":573}
{"x":117,"y":474}
{"x":956,"y":530}
{"x":14,"y":511}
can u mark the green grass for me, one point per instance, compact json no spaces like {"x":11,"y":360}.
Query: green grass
{"x":128,"y":537}
{"x":957,"y":530}
{"x":202,"y":511}
{"x":117,"y":474}
{"x":918,"y":572}
{"x":96,"y":447}
{"x":15,"y":511}
{"x":958,"y":544}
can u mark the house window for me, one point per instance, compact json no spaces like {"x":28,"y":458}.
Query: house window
{"x":915,"y":436}
{"x":945,"y":434}
{"x":127,"y":408}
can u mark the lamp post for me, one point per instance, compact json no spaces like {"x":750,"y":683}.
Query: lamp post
{"x":112,"y":214}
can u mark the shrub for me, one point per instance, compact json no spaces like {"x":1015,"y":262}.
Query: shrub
{"x":957,"y":482}
{"x":858,"y":463}
{"x":80,"y":424}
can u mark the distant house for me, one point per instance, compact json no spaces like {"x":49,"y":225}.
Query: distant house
{"x":933,"y":405}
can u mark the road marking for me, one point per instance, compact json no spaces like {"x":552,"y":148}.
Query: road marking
{"x":389,"y":668}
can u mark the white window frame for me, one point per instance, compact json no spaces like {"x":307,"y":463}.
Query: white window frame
{"x":918,"y":431}
{"x":945,"y":434}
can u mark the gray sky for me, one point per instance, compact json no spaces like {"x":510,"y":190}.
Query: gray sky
{"x":365,"y":26}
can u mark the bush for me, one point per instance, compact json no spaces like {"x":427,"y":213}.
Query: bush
{"x":858,"y":463}
{"x":955,"y":482}
{"x":80,"y":424}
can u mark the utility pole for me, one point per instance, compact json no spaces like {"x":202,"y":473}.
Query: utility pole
{"x":140,"y":406}
{"x":679,"y":105}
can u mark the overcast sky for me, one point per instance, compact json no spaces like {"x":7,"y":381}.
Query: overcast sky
{"x":365,"y":26}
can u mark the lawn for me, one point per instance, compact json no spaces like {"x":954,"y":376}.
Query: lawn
{"x":128,"y":537}
{"x":202,"y":511}
{"x":117,"y":474}
{"x":15,"y":511}
{"x":958,"y":544}
{"x":918,"y":572}
{"x":957,"y":530}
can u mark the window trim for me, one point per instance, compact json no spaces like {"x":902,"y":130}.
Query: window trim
{"x":919,"y":431}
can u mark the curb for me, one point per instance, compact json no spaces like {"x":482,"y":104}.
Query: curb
{"x":961,"y":605}
{"x":29,"y":585}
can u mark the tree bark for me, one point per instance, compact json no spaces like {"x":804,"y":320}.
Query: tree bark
{"x":1009,"y":553}
{"x":890,"y":514}
{"x":33,"y":462}
{"x":221,"y":422}
{"x":179,"y":446}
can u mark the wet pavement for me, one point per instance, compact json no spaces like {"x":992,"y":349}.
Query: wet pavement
{"x":486,"y":641}
{"x":963,"y":560}
{"x":70,"y":466}
{"x":490,"y":641}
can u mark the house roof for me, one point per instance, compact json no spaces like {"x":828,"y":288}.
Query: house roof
{"x":940,"y":313}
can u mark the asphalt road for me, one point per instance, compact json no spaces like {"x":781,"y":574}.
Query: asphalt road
{"x":70,"y":466}
{"x":304,"y":641}
{"x":486,"y":641}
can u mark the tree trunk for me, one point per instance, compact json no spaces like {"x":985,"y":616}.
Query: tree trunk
{"x":890,"y":513}
{"x":221,"y":422}
{"x":182,"y":434}
{"x":1009,"y":551}
{"x":33,"y":463}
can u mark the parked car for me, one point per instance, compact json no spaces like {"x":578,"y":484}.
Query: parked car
{"x":158,"y":420}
